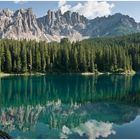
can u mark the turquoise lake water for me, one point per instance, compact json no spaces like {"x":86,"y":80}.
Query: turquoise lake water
{"x":70,"y":106}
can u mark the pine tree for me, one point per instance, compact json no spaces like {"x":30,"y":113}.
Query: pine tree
{"x":23,"y":59}
{"x":8,"y":61}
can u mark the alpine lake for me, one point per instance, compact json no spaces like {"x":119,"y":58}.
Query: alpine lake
{"x":70,"y":106}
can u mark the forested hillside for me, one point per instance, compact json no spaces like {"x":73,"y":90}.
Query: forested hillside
{"x":119,"y":54}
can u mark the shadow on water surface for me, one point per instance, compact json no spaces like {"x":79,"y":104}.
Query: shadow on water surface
{"x":64,"y":106}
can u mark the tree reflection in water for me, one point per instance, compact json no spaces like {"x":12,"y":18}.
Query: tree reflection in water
{"x":68,"y":105}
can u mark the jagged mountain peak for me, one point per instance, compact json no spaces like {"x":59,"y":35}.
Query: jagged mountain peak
{"x":55,"y":25}
{"x":28,"y":11}
{"x":6,"y":12}
{"x":112,"y":25}
{"x":67,"y":17}
{"x":19,"y":24}
{"x":122,"y":17}
{"x":68,"y":24}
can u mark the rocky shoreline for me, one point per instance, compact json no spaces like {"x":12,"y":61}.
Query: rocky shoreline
{"x":2,"y":74}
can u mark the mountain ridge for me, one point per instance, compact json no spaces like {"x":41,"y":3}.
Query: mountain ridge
{"x":23,"y":24}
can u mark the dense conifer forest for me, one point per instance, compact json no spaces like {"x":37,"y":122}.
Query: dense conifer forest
{"x":116,"y":54}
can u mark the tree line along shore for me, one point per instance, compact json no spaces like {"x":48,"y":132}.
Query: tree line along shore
{"x":90,"y":56}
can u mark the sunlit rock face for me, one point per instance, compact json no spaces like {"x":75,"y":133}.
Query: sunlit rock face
{"x":68,"y":25}
{"x":19,"y":24}
{"x":23,"y":24}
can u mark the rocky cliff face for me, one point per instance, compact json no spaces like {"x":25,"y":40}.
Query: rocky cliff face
{"x":19,"y":24}
{"x":63,"y":25}
{"x":114,"y":25}
{"x":23,"y":24}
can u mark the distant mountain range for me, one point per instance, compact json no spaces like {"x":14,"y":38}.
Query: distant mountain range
{"x":23,"y":24}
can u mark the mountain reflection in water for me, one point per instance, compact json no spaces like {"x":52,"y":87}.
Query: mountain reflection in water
{"x":67,"y":106}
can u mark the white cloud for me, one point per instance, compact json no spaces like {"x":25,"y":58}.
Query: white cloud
{"x":89,"y":9}
{"x":61,"y":3}
{"x":19,"y":1}
{"x":92,"y":129}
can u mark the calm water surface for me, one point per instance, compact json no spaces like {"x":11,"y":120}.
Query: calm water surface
{"x":70,"y":106}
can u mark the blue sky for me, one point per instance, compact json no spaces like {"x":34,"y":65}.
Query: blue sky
{"x":131,"y":8}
